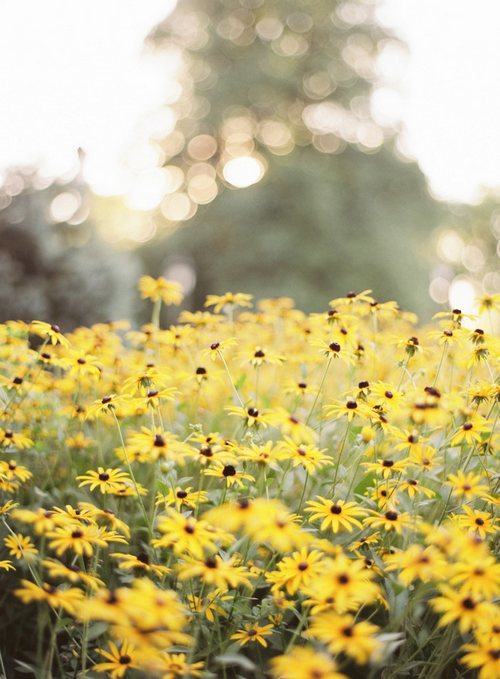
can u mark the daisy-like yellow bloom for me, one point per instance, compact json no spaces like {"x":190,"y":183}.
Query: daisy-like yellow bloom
{"x":304,"y":663}
{"x":488,"y":303}
{"x":106,"y":405}
{"x":478,"y":576}
{"x":80,"y":365}
{"x":12,"y":439}
{"x":266,"y":454}
{"x":258,"y":356}
{"x":228,"y":299}
{"x":417,"y":562}
{"x":470,"y":431}
{"x":342,"y":634}
{"x":222,"y":574}
{"x":107,"y":480}
{"x":7,"y":565}
{"x":389,"y":520}
{"x":301,"y":454}
{"x":118,"y":660}
{"x":480,"y":522}
{"x":483,"y":655}
{"x":21,"y":546}
{"x":217,"y":347}
{"x":155,"y":444}
{"x":349,"y":409}
{"x":413,"y":488}
{"x":386,"y":467}
{"x":337,"y":515}
{"x":173,"y":665}
{"x":253,"y":632}
{"x":41,"y":519}
{"x":353,"y":298}
{"x":297,"y":571}
{"x":139,"y":562}
{"x":467,"y":485}
{"x":51,"y":333}
{"x":78,"y":538}
{"x":271,"y":523}
{"x":334,"y":350}
{"x":229,"y":474}
{"x":457,"y":606}
{"x":11,"y":471}
{"x":79,"y":441}
{"x":253,"y":416}
{"x":210,"y":605}
{"x":182,"y":497}
{"x":186,"y":535}
{"x":347,"y":581}
{"x":156,"y":289}
{"x":72,"y":574}
{"x":68,"y":599}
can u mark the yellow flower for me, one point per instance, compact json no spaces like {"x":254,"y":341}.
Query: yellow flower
{"x":459,"y":607}
{"x":118,"y":660}
{"x":304,"y":663}
{"x":21,"y":546}
{"x":51,"y":333}
{"x":417,"y":562}
{"x":338,"y":515}
{"x":296,"y":572}
{"x":228,"y":299}
{"x":253,"y":632}
{"x":169,"y":292}
{"x":223,"y":574}
{"x":107,"y":480}
{"x":485,"y":656}
{"x":341,"y":634}
{"x":68,"y":599}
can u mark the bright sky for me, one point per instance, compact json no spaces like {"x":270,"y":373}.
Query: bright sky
{"x":75,"y":74}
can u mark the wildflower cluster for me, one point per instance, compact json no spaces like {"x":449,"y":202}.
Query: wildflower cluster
{"x":252,"y":489}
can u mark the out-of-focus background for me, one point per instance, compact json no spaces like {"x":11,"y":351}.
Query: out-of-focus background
{"x":278,"y":147}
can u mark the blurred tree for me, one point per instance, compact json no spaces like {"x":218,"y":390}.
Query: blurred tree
{"x":467,"y":251}
{"x":275,"y":96}
{"x":52,"y":265}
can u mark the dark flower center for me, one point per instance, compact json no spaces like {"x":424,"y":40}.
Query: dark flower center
{"x":348,"y":631}
{"x":76,"y":534}
{"x":181,"y":494}
{"x":467,"y":426}
{"x":391,"y":516}
{"x":336,"y":509}
{"x":351,"y":405}
{"x":334,"y":347}
{"x":388,"y":463}
{"x":206,"y":452}
{"x":479,"y":522}
{"x":159,"y":441}
{"x":303,"y":566}
{"x":189,"y":529}
{"x":143,"y":558}
{"x":229,"y":470}
{"x":215,"y":346}
{"x":363,"y":385}
{"x":469,"y":604}
{"x":81,"y":361}
{"x":201,"y":371}
{"x":103,"y":476}
{"x":343,"y":579}
{"x":106,"y":399}
{"x":125,"y":660}
{"x":259,"y":354}
{"x":211,"y":562}
{"x":244,"y":503}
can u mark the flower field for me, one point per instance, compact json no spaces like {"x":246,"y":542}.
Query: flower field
{"x":251,"y":492}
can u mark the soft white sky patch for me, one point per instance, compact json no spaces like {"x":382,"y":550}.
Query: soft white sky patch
{"x":449,"y":90}
{"x":74,"y":73}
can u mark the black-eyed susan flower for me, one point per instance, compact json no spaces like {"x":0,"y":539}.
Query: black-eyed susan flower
{"x":73,"y":574}
{"x":229,"y":299}
{"x":342,"y":634}
{"x":21,"y":546}
{"x":106,"y":480}
{"x":230,"y":474}
{"x":186,"y":535}
{"x":417,"y":562}
{"x":457,"y":606}
{"x":181,"y":497}
{"x":481,"y":523}
{"x":484,"y":655}
{"x":470,"y":431}
{"x":253,"y":416}
{"x":51,"y":333}
{"x":467,"y":485}
{"x":69,"y":599}
{"x":304,"y":663}
{"x":221,"y":573}
{"x":389,"y":520}
{"x":118,"y":660}
{"x":7,"y":565}
{"x":156,"y":289}
{"x":335,"y":514}
{"x":253,"y":632}
{"x":297,"y":571}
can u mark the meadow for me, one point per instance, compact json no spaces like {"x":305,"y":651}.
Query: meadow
{"x":251,"y":492}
